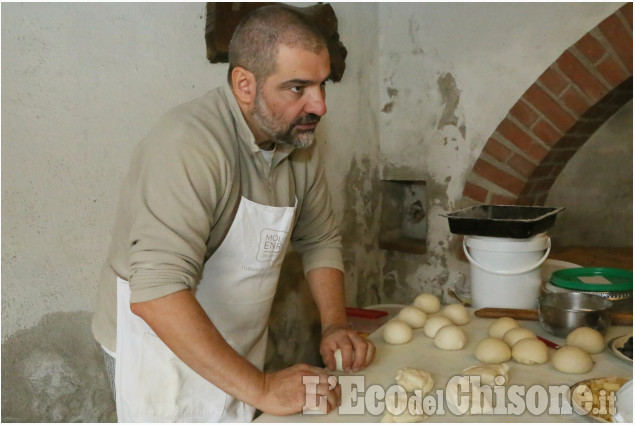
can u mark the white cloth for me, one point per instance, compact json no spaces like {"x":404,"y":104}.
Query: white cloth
{"x":236,"y":291}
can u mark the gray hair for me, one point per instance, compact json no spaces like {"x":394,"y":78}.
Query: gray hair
{"x":254,"y":45}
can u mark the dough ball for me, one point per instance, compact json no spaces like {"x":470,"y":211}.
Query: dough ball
{"x":412,"y":316}
{"x":492,"y":350}
{"x":499,"y":326}
{"x":397,"y":332}
{"x":414,"y":379}
{"x":588,"y":339}
{"x":489,"y":373}
{"x":428,"y":303}
{"x":514,"y":335}
{"x":570,"y":359}
{"x":450,"y":337}
{"x":530,"y":351}
{"x":457,"y":313}
{"x":433,"y":324}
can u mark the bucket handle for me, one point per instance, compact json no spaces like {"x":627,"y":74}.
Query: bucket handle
{"x":507,"y":273}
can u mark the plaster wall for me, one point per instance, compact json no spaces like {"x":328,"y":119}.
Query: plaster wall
{"x":81,"y":85}
{"x":448,"y":75}
{"x":600,"y":212}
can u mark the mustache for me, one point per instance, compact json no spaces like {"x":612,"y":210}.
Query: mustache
{"x":307,"y":119}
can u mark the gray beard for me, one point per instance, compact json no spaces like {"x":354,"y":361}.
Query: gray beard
{"x":279,"y":133}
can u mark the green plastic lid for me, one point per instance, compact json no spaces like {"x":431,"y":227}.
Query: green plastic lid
{"x":602,"y":279}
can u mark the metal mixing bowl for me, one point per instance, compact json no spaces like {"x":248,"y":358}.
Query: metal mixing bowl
{"x":560,"y":313}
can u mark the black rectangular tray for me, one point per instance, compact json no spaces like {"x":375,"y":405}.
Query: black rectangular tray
{"x":504,"y":221}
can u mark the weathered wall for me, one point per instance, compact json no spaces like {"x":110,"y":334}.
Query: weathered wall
{"x":448,"y":75}
{"x":600,"y":217}
{"x":82,"y":83}
{"x":53,"y":372}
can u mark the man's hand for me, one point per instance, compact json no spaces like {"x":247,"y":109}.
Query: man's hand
{"x":327,"y":288}
{"x":287,"y":391}
{"x":357,"y":351}
{"x":180,"y":321}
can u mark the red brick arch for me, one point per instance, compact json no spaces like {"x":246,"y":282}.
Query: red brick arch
{"x":587,"y":84}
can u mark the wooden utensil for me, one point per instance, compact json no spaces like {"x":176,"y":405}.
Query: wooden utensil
{"x":618,"y":318}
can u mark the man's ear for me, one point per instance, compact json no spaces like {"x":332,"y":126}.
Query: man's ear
{"x":243,"y":85}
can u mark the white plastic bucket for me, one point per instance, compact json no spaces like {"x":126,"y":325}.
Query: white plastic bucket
{"x":505,"y":272}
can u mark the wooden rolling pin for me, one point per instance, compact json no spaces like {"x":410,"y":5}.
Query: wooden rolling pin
{"x":618,"y":318}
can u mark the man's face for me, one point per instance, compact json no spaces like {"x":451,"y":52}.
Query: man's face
{"x":289,"y":103}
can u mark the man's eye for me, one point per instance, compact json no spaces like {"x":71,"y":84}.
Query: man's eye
{"x":297,"y":89}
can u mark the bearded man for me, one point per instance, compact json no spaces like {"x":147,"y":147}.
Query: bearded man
{"x":214,"y":195}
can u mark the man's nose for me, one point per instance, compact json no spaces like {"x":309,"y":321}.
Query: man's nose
{"x":316,"y":103}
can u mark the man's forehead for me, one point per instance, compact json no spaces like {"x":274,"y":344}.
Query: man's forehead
{"x":297,"y":60}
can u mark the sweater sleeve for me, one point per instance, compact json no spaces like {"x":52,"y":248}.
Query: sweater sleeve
{"x":316,"y":235}
{"x":175,"y":187}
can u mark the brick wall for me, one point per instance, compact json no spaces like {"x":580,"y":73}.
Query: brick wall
{"x":557,"y":114}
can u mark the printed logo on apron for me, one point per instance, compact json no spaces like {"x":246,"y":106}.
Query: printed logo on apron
{"x":236,"y":291}
{"x":271,"y":243}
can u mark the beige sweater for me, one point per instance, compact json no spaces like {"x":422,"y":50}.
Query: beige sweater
{"x":179,"y":198}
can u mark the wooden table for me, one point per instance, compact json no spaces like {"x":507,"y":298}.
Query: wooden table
{"x":619,"y":258}
{"x":421,"y":353}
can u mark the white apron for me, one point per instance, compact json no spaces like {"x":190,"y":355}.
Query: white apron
{"x":236,"y":291}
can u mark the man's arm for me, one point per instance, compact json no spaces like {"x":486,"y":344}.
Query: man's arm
{"x":182,"y":324}
{"x":327,"y":288}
